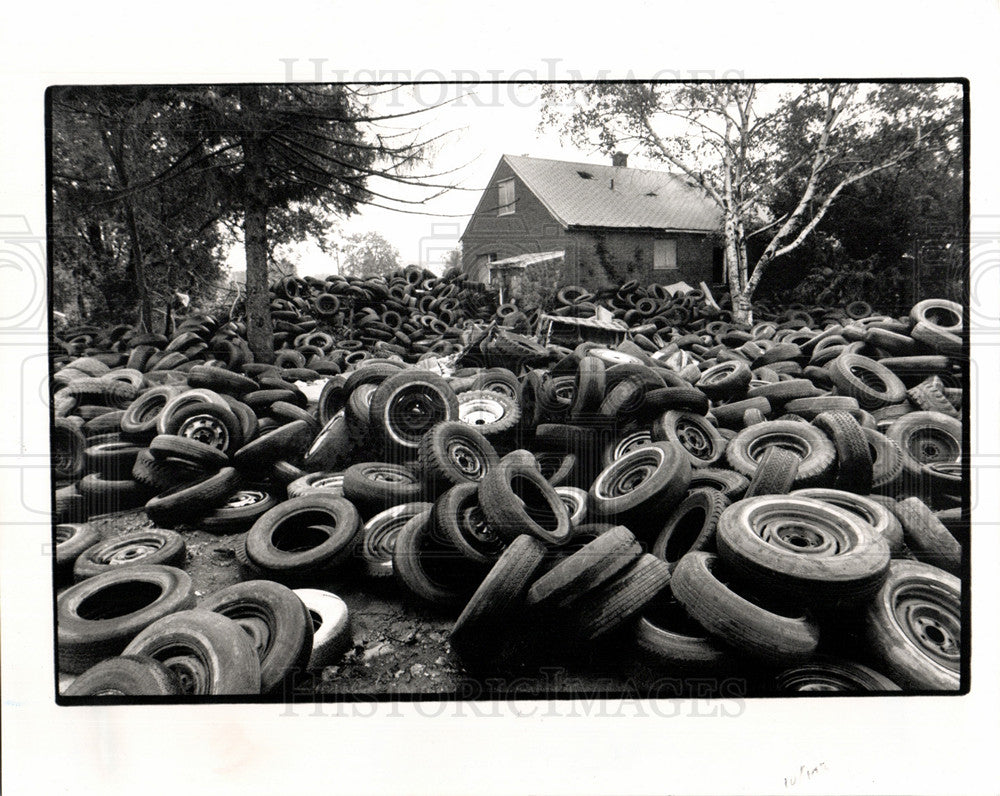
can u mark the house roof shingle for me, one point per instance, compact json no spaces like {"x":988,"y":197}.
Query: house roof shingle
{"x":640,"y":198}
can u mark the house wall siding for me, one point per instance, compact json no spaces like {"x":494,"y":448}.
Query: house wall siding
{"x":606,"y":258}
{"x":594,"y":258}
{"x":529,"y":229}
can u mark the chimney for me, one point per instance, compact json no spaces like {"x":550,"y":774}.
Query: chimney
{"x":619,"y":160}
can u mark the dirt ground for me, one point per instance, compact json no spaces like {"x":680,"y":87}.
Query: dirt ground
{"x":401,"y":647}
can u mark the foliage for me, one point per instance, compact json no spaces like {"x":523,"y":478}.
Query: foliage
{"x":209,"y":165}
{"x":367,"y":254}
{"x":773,"y":159}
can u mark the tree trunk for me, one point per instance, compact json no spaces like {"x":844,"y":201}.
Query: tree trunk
{"x":139,"y":271}
{"x":260,"y":333}
{"x":136,"y":266}
{"x":736,"y":272}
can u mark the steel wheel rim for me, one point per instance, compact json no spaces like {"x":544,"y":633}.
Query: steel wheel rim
{"x":388,"y":474}
{"x":928,"y":617}
{"x":694,"y":438}
{"x":467,"y":458}
{"x":933,"y":446}
{"x":127,"y":551}
{"x":207,"y":429}
{"x":477,"y":532}
{"x":413,"y":411}
{"x":625,"y":478}
{"x":194,"y":672}
{"x":634,"y":441}
{"x":244,"y":498}
{"x":481,"y":412}
{"x":802,"y":530}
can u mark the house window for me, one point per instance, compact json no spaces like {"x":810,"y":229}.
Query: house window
{"x":506,"y":198}
{"x":664,"y":254}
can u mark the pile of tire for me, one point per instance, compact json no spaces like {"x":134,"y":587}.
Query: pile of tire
{"x":781,"y":501}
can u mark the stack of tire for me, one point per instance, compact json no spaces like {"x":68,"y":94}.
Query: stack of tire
{"x":782,"y":500}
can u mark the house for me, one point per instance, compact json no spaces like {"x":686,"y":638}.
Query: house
{"x":612,"y":223}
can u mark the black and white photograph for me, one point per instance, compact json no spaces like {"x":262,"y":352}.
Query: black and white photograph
{"x":514,"y":407}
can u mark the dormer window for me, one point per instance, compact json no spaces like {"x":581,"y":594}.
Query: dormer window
{"x":585,"y":175}
{"x":506,"y":203}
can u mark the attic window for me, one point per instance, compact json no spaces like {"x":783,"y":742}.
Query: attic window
{"x":651,"y":193}
{"x":586,"y":175}
{"x":506,"y":198}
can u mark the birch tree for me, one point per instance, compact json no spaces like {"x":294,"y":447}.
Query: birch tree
{"x":742,"y":142}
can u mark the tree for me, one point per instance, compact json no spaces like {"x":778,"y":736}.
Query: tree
{"x":453,"y":259}
{"x":130,"y":246}
{"x":272,"y":161}
{"x":280,"y":146}
{"x":732,"y":140}
{"x":368,"y":254}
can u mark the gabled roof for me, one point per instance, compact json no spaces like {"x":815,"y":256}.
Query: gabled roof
{"x":586,"y":195}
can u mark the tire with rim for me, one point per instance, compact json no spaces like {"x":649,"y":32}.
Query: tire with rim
{"x":380,"y":533}
{"x":931,"y":443}
{"x":693,"y":433}
{"x":276,"y":621}
{"x":914,"y":627}
{"x":492,"y":414}
{"x":642,"y":485}
{"x":96,"y":618}
{"x":377,"y":486}
{"x":875,"y":514}
{"x":408,"y":404}
{"x":813,"y":446}
{"x":148,"y":546}
{"x":802,"y":549}
{"x":209,"y":653}
{"x":455,"y":453}
{"x":825,"y":673}
{"x":774,"y":634}
{"x":460,"y":521}
{"x":241,"y":510}
{"x":132,"y":675}
{"x":213,"y":424}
